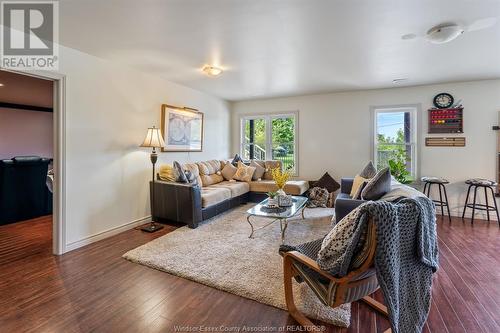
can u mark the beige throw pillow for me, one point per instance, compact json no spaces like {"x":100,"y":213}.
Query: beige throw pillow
{"x":229,"y":171}
{"x":356,"y":184}
{"x":244,"y":173}
{"x":167,"y":173}
{"x":259,"y":170}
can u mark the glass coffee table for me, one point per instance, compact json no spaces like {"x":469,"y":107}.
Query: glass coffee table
{"x":282,"y":215}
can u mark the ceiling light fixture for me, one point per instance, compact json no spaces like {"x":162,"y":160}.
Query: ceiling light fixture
{"x":1,"y":84}
{"x":212,"y":70}
{"x":444,"y":33}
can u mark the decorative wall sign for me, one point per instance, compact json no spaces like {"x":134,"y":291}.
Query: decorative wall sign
{"x":446,"y":120}
{"x":182,"y":128}
{"x":445,"y":142}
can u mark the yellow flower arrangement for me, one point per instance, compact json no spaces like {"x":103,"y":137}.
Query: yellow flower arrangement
{"x":280,"y":177}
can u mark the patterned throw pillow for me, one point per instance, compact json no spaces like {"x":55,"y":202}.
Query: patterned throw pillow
{"x":229,"y":171}
{"x":318,"y":197}
{"x":244,"y":173}
{"x":339,"y":246}
{"x":378,"y":186}
{"x":259,"y":170}
{"x":356,"y":184}
{"x":368,"y":171}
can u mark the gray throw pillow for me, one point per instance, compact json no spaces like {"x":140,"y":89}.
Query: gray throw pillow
{"x":236,"y":159}
{"x":378,"y":186}
{"x":368,"y":171}
{"x":181,"y":176}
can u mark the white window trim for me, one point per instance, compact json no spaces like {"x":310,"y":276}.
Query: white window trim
{"x":269,"y":116}
{"x":415,"y":112}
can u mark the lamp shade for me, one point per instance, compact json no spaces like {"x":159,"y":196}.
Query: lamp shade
{"x":153,"y":138}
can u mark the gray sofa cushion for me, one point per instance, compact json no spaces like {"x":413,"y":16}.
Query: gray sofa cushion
{"x":368,"y":171}
{"x":378,"y":186}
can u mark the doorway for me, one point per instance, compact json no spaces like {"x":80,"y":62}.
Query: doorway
{"x":32,"y":106}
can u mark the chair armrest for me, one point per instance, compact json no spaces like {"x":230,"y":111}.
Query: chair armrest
{"x":289,"y":257}
{"x":177,"y":202}
{"x":305,"y":260}
{"x":346,"y":185}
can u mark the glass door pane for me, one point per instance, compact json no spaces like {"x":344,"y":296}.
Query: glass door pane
{"x":254,"y":140}
{"x":283,"y":141}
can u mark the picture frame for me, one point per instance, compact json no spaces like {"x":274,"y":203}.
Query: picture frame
{"x":182,"y":129}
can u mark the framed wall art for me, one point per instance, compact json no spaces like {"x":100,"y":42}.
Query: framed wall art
{"x":182,"y":128}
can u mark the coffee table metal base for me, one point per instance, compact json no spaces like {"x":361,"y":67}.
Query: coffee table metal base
{"x":283,"y":224}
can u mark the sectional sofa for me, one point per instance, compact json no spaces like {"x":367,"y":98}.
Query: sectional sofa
{"x":190,"y":203}
{"x":344,"y":204}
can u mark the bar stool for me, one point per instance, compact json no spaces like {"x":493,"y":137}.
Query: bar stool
{"x":428,"y":182}
{"x":486,"y":184}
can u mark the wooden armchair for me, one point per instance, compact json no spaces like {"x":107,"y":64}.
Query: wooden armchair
{"x":332,"y":291}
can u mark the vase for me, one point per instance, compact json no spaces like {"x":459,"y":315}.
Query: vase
{"x":272,"y":202}
{"x":280,"y":192}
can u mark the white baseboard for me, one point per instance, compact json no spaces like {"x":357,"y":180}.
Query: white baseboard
{"x":106,"y":233}
{"x":468,"y":213}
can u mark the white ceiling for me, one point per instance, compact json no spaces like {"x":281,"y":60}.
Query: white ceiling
{"x":276,"y":48}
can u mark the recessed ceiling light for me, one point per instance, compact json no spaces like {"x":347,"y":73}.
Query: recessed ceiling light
{"x":212,"y":70}
{"x":408,"y":36}
{"x":1,"y":84}
{"x":400,"y":80}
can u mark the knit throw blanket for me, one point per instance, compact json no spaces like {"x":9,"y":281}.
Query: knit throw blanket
{"x":405,"y":259}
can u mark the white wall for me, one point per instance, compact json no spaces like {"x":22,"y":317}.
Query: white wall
{"x":108,"y":110}
{"x":334,"y":131}
{"x":24,"y":133}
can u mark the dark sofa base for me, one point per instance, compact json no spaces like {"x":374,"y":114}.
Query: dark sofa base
{"x":214,"y":210}
{"x":178,"y":203}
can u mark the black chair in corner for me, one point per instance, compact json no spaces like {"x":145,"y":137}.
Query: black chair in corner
{"x":23,"y":191}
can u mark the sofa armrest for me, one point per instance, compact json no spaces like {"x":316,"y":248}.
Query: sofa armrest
{"x":344,"y":206}
{"x":177,"y":202}
{"x":346,"y":185}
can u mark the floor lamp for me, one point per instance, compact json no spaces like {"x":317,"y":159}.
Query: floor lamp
{"x":154,"y":140}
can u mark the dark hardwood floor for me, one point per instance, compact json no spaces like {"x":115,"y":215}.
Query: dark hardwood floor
{"x":22,"y":239}
{"x":94,"y":290}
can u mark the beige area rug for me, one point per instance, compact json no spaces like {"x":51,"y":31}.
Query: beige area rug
{"x":219,"y":254}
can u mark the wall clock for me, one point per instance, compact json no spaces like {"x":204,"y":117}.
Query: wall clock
{"x":443,"y":100}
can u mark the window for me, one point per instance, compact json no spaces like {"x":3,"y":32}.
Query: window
{"x":395,"y":137}
{"x":269,"y":137}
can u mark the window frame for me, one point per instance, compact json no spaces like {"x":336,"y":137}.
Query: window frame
{"x":269,"y":116}
{"x":414,"y":110}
